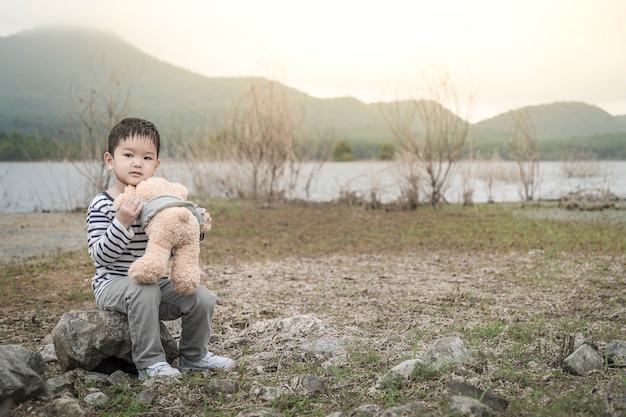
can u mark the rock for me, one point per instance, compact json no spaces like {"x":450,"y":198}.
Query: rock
{"x":302,"y":324}
{"x":100,"y":340}
{"x":222,"y":386}
{"x":493,"y":401}
{"x":21,"y":374}
{"x":268,"y":393}
{"x":119,"y":377}
{"x":615,"y":353}
{"x":96,"y":398}
{"x":32,"y":359}
{"x":308,"y":384}
{"x":256,"y":413}
{"x":146,"y":397}
{"x":68,"y":406}
{"x":445,"y":350}
{"x":365,"y":410}
{"x":413,"y":409}
{"x":585,"y":359}
{"x":48,"y":353}
{"x":324,"y":348}
{"x":470,"y":407}
{"x":403,"y":371}
{"x":60,"y":383}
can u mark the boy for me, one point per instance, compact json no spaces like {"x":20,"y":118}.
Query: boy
{"x":116,"y":239}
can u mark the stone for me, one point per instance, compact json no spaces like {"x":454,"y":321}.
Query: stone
{"x":100,"y":341}
{"x":365,"y":410}
{"x":256,"y":413}
{"x":324,"y":348}
{"x":119,"y":377}
{"x":415,"y":409}
{"x":402,"y":371}
{"x":493,"y":401}
{"x":69,"y":406}
{"x":308,"y":384}
{"x":222,"y":386}
{"x":615,"y":353}
{"x":146,"y":397}
{"x":48,"y":353}
{"x":585,"y":359}
{"x":445,"y":350}
{"x":33,"y":359}
{"x":96,"y":398}
{"x":268,"y":393}
{"x":405,"y":369}
{"x":21,"y":374}
{"x":60,"y":383}
{"x":466,"y":406}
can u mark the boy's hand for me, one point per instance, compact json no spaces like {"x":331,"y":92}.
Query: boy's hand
{"x":206,"y":219}
{"x":128,"y":211}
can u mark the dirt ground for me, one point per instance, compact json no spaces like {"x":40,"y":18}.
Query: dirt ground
{"x":24,"y":235}
{"x":510,"y":308}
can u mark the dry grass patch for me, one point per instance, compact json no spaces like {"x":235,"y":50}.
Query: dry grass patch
{"x":389,"y":283}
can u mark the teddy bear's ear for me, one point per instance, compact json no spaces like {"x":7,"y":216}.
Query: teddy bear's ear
{"x":129,"y":191}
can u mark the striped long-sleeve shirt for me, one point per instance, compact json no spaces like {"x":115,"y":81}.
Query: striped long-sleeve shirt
{"x":111,"y":246}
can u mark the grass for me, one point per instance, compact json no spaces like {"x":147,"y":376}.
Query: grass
{"x":509,"y":280}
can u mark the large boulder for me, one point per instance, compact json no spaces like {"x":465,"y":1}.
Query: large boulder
{"x":100,"y":341}
{"x":21,"y":374}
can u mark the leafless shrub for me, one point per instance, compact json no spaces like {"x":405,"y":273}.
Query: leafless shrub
{"x":467,"y":174}
{"x":493,"y":170}
{"x":410,"y":183}
{"x":369,"y":199}
{"x":589,"y":199}
{"x":430,"y":133}
{"x":581,"y":165}
{"x":525,"y":153}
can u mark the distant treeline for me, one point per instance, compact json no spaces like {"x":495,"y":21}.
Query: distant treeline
{"x":17,"y":146}
{"x":608,"y":146}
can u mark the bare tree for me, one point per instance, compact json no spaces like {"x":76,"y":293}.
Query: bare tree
{"x":263,"y":150}
{"x":94,"y":112}
{"x":525,"y":152}
{"x":430,"y":133}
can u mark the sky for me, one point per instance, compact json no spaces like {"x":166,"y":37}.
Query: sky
{"x":498,"y":54}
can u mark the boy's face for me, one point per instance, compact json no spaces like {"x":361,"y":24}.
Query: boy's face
{"x":134,"y":160}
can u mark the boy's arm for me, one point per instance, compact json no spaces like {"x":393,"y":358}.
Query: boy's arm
{"x":107,"y":237}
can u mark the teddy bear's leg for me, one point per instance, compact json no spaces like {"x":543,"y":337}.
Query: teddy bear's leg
{"x":152,"y":265}
{"x":185,"y":270}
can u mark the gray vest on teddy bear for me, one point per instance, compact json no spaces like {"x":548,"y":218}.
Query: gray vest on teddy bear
{"x":158,"y":203}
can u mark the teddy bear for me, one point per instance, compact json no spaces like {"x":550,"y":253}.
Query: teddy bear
{"x":174,"y":226}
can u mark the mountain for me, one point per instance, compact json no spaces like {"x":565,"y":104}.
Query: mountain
{"x":45,"y":71}
{"x":557,"y":120}
{"x":41,"y":68}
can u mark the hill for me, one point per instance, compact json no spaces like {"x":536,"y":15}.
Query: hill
{"x":558,"y":120}
{"x":42,"y":68}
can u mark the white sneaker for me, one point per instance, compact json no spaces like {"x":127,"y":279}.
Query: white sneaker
{"x":210,"y":361}
{"x":158,"y":370}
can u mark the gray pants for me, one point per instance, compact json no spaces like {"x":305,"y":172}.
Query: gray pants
{"x":147,"y":304}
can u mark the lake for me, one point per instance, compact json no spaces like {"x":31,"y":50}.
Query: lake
{"x":60,"y":186}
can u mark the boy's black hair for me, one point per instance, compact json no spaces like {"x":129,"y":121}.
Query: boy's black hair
{"x":133,"y":126}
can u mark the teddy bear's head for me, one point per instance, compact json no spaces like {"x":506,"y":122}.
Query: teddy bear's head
{"x":154,"y":186}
